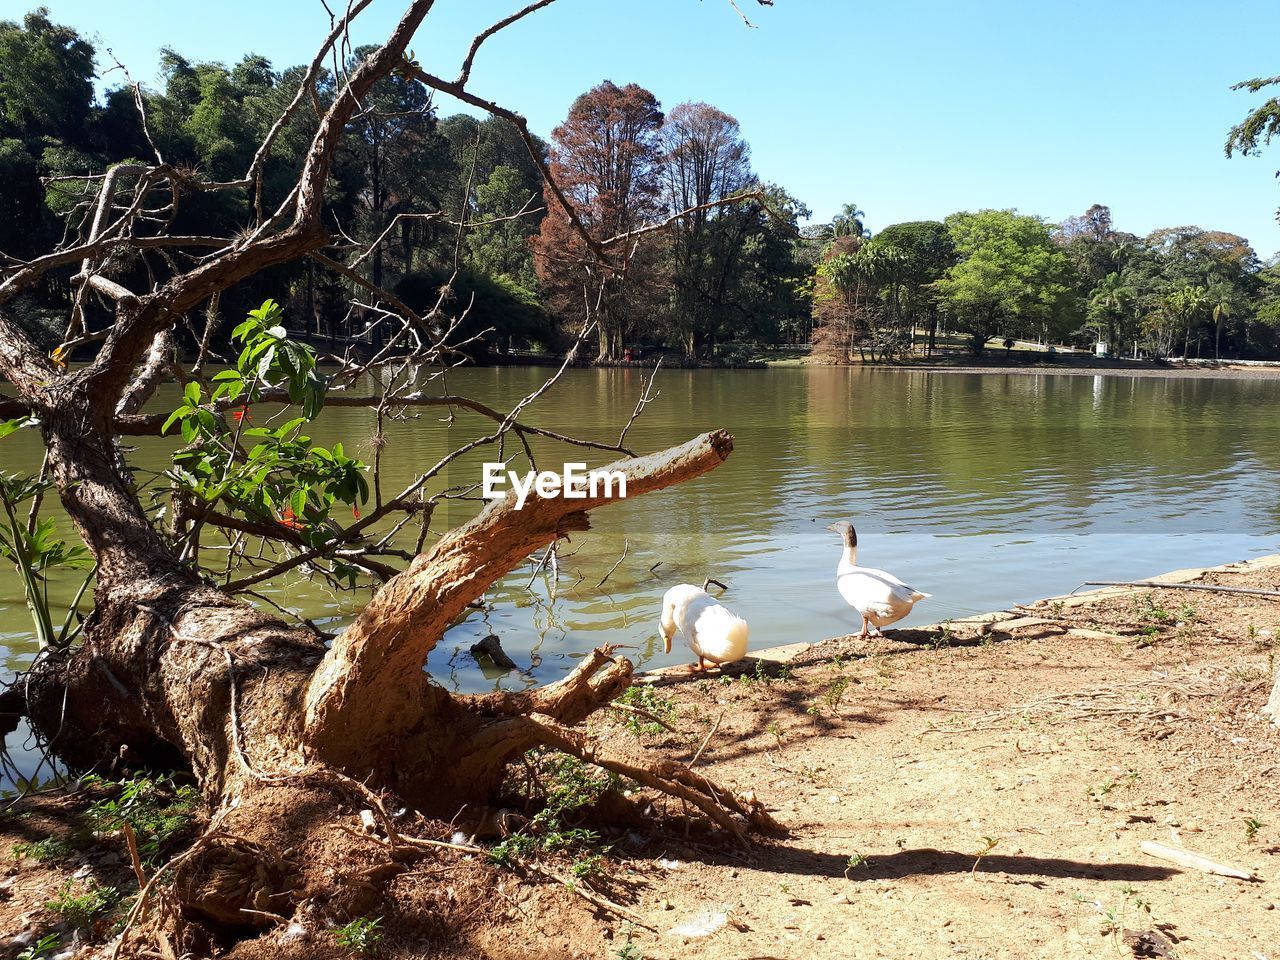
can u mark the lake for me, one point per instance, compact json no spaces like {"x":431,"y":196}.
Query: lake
{"x":982,"y":489}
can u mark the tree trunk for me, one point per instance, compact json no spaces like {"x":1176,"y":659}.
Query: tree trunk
{"x":281,"y":733}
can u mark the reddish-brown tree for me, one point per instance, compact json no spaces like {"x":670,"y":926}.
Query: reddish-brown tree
{"x":607,"y":163}
{"x":705,"y":161}
{"x":843,"y":318}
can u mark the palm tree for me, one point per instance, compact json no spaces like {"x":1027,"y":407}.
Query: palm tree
{"x":1189,"y":304}
{"x":848,"y":222}
{"x":1222,"y":308}
{"x":1110,"y":304}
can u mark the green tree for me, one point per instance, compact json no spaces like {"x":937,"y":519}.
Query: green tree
{"x":500,"y":243}
{"x":46,"y":79}
{"x":1112,"y":312}
{"x":1261,"y":125}
{"x":1010,"y":277}
{"x":927,"y":252}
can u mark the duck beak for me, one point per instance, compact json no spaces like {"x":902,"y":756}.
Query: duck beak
{"x":833,"y":528}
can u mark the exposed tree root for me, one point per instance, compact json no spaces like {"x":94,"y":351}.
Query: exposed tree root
{"x":666,"y":776}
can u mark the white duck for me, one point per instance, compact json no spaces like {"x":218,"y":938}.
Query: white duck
{"x":879,"y":597}
{"x":709,"y":629}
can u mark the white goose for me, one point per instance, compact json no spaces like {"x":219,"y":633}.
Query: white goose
{"x":709,"y":629}
{"x":879,"y":597}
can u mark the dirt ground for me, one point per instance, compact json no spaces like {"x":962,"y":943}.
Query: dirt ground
{"x":963,"y":791}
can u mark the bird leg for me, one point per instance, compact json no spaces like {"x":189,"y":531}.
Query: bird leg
{"x":863,"y":634}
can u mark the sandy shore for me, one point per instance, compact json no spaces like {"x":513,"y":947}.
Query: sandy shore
{"x":980,"y":788}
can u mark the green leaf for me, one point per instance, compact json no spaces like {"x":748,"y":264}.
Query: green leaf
{"x":12,"y":426}
{"x":176,"y":415}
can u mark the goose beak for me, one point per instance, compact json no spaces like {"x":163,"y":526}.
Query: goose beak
{"x":834,"y":528}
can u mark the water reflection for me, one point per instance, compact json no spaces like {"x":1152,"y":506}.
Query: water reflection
{"x":982,"y":490}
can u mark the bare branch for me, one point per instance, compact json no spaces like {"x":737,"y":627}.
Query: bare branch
{"x":465,"y":75}
{"x":522,"y":126}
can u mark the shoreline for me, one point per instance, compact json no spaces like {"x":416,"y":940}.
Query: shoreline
{"x":1223,"y":372}
{"x":1005,"y":622}
{"x":1228,"y":370}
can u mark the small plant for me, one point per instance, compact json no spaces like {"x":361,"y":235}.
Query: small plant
{"x":835,"y":693}
{"x":1245,"y":674}
{"x":363,"y":935}
{"x":565,"y":784}
{"x":31,"y":544}
{"x":1112,"y":921}
{"x":1114,"y":918}
{"x":587,"y":866}
{"x":1147,"y":610}
{"x":775,"y":729}
{"x":1098,"y":791}
{"x":1251,"y":827}
{"x":988,"y":844}
{"x":80,"y":909}
{"x":41,"y":948}
{"x":628,"y":950}
{"x":644,"y":697}
{"x":1056,"y":607}
{"x":156,"y":808}
{"x":48,"y":850}
{"x":856,"y":861}
{"x":811,"y":774}
{"x":944,"y":637}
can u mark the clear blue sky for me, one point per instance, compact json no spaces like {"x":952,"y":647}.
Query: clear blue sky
{"x":913,"y":108}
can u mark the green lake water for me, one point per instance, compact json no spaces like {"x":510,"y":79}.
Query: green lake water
{"x":981,"y":489}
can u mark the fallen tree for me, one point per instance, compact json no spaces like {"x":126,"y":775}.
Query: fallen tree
{"x":176,"y":669}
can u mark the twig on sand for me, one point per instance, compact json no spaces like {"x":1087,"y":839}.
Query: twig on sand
{"x":707,"y":739}
{"x":1156,"y":584}
{"x":639,"y":711}
{"x":131,"y":840}
{"x":1193,"y":861}
{"x":1114,"y":702}
{"x":589,"y":895}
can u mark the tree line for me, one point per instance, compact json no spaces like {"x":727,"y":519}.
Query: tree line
{"x":729,"y":272}
{"x":736,"y":272}
{"x":1178,"y":291}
